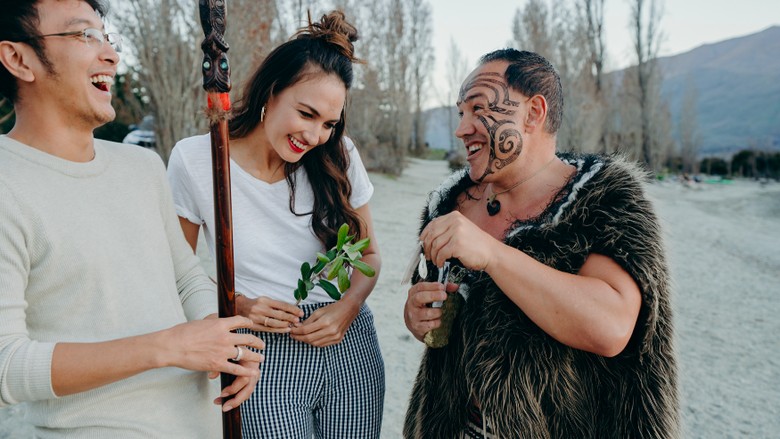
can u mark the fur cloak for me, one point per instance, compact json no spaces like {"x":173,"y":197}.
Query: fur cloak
{"x":528,"y":384}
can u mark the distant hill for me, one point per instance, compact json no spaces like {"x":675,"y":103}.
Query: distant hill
{"x":738,"y":83}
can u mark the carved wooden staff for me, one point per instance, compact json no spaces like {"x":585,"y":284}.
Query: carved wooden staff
{"x":216,"y":82}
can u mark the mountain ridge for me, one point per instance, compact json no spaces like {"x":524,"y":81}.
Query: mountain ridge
{"x":738,"y":86}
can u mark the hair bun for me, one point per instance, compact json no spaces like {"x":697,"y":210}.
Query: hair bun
{"x":334,"y":28}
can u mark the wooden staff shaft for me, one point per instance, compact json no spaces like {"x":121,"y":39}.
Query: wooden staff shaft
{"x":220,"y":158}
{"x":216,"y":82}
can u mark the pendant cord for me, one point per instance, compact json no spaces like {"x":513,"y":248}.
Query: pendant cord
{"x":492,"y":197}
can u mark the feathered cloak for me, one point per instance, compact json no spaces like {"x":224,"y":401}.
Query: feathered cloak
{"x":528,"y":384}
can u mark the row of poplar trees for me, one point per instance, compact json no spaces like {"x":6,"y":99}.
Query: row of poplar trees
{"x":163,"y":58}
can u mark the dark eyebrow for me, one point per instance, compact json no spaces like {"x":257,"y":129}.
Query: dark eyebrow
{"x":76,"y":20}
{"x":471,"y":97}
{"x":314,"y":111}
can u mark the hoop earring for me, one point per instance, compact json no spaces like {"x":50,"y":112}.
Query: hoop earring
{"x":262,"y":114}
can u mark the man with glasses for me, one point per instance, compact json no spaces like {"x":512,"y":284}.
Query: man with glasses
{"x":102,"y":303}
{"x":90,"y":36}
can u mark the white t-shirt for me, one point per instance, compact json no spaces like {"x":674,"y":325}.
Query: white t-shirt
{"x":269,"y":242}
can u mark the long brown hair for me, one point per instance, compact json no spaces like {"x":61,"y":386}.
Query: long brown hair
{"x":320,"y":48}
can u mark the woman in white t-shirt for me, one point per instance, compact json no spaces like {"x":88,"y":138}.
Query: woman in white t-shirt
{"x":295,"y":180}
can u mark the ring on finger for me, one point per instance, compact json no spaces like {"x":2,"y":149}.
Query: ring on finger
{"x":239,"y":354}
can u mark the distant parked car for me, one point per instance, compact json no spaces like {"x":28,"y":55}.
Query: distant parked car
{"x":142,"y":134}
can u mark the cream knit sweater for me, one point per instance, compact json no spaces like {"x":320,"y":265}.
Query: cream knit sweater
{"x":92,"y":252}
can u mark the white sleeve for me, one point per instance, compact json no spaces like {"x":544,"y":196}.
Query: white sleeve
{"x":362,"y":189}
{"x":183,"y":187}
{"x":25,"y":364}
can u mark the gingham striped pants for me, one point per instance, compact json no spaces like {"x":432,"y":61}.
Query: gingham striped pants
{"x":305,"y":391}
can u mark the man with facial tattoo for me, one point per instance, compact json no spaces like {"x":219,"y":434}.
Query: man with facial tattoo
{"x":566,"y":328}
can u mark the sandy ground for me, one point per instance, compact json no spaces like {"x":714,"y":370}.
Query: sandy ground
{"x":723,"y":246}
{"x":722,"y":242}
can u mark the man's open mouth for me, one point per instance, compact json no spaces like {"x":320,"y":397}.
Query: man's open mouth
{"x":475,"y":148}
{"x":102,"y":82}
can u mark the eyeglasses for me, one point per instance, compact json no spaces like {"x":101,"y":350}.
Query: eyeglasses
{"x":93,"y":37}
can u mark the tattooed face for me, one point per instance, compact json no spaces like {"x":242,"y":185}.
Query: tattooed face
{"x":489,"y":125}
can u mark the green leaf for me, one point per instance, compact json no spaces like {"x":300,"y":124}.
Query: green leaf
{"x":317,"y":269}
{"x":303,"y":293}
{"x":309,"y":285}
{"x":344,"y":282}
{"x":347,"y":251}
{"x":334,"y":269}
{"x":323,"y":258}
{"x":331,"y":289}
{"x":342,"y":237}
{"x":354,"y":256}
{"x":305,"y":270}
{"x":361,"y":245}
{"x":331,"y":254}
{"x":364,"y":268}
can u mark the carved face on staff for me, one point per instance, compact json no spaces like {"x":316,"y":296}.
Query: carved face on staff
{"x":216,"y":67}
{"x":491,"y":120}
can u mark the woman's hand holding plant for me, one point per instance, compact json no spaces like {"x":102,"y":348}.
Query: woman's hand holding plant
{"x":328,"y":325}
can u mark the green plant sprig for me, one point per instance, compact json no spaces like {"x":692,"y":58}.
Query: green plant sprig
{"x":334,"y":265}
